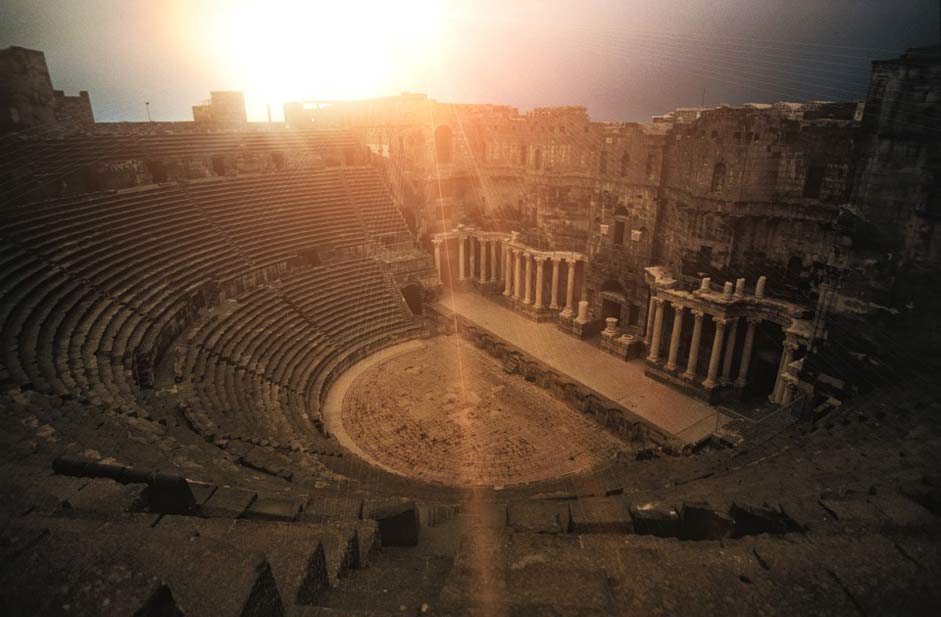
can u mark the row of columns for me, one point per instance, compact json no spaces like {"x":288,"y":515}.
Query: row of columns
{"x":467,"y":268}
{"x":520,"y":286}
{"x":722,"y":348}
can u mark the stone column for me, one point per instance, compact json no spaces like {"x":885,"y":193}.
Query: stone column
{"x":460,"y":259}
{"x":582,"y":312}
{"x":517,"y":274}
{"x":472,"y":254}
{"x":675,"y":337}
{"x":438,"y":258}
{"x":716,"y":352}
{"x":570,"y":291}
{"x":494,"y":266}
{"x":729,"y":352}
{"x":540,"y":272}
{"x":554,"y":298}
{"x":657,"y":329}
{"x":787,"y":356}
{"x":507,"y":271}
{"x":528,"y":299}
{"x":651,"y":310}
{"x":483,"y":261}
{"x":694,"y":346}
{"x":742,"y":378}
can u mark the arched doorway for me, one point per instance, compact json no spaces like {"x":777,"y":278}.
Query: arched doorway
{"x":613,"y":300}
{"x":414,"y":298}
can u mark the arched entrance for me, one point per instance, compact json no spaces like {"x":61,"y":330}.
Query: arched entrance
{"x":414,"y":298}
{"x":613,"y":300}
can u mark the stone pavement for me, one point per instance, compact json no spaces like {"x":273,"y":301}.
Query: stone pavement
{"x":686,"y":418}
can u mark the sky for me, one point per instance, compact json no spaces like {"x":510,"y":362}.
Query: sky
{"x":625,"y":60}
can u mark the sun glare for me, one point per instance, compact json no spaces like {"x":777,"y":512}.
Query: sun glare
{"x":285,"y":51}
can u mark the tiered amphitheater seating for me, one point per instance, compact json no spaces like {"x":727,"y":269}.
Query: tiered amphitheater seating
{"x":96,"y":287}
{"x":265,"y":360}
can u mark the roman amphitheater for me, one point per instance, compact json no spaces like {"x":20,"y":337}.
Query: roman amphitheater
{"x":405,"y":357}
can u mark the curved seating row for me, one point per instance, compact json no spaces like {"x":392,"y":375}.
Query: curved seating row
{"x":259,"y":364}
{"x":95,"y":288}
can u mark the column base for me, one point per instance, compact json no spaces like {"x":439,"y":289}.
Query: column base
{"x":670,"y":366}
{"x":567,"y":313}
{"x":527,"y":302}
{"x":709,"y":384}
{"x":740,"y":383}
{"x":653,"y":359}
{"x":689,"y":376}
{"x":554,"y":307}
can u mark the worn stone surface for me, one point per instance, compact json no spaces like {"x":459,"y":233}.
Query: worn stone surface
{"x":447,"y":413}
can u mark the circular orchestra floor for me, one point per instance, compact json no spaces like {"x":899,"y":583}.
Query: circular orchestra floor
{"x":442,"y":411}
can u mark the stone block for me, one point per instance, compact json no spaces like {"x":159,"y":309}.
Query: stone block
{"x":274,"y":509}
{"x":398,"y":523}
{"x":320,"y":507}
{"x":601,"y":515}
{"x":702,"y":521}
{"x":227,"y":502}
{"x":539,"y":516}
{"x":655,"y":518}
{"x":753,"y":520}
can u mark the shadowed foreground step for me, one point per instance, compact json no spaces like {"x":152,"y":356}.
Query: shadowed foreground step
{"x":139,"y":565}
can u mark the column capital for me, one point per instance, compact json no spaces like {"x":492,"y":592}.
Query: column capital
{"x":720,"y":322}
{"x":678,"y":307}
{"x":697,"y":314}
{"x":754,"y":320}
{"x":792,"y":345}
{"x":657,"y":301}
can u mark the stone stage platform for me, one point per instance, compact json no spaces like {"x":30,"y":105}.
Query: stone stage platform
{"x":688,"y":419}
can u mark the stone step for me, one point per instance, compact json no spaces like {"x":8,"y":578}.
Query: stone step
{"x":124,"y":567}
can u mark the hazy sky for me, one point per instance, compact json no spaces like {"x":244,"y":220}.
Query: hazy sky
{"x":624,"y":60}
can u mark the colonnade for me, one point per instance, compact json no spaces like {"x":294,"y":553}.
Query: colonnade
{"x":527,"y":285}
{"x":489,"y":247}
{"x":721,"y":355}
{"x":522,"y":269}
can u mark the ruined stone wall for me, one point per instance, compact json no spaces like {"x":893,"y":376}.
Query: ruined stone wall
{"x":74,"y":111}
{"x":756,"y":190}
{"x":26,"y":94}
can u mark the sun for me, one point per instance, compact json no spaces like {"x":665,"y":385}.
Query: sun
{"x":291,"y":50}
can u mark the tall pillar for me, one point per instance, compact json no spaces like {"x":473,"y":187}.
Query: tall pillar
{"x":494,"y":266}
{"x":716,"y":352}
{"x":787,"y":356}
{"x":570,"y":291}
{"x":472,"y":242}
{"x":657,"y":329}
{"x":438,"y":258}
{"x":540,"y":272}
{"x":694,"y":346}
{"x":554,"y":297}
{"x":675,"y":337}
{"x":460,"y":259}
{"x":507,"y":271}
{"x":529,"y":279}
{"x":651,"y":311}
{"x":483,"y":261}
{"x":517,"y":274}
{"x":749,"y":343}
{"x":729,"y":352}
